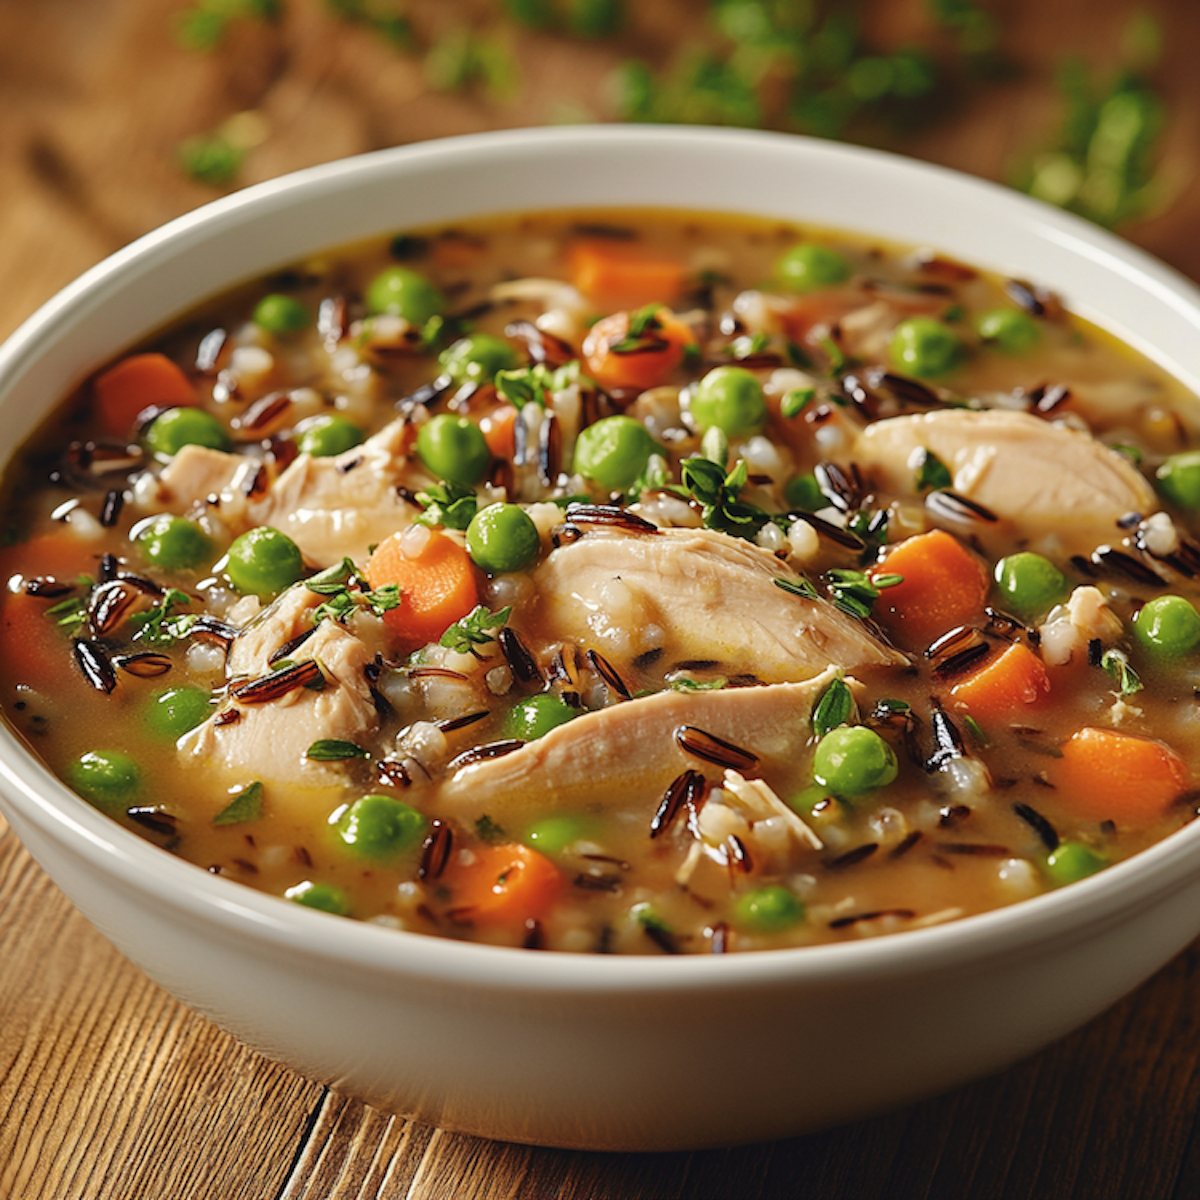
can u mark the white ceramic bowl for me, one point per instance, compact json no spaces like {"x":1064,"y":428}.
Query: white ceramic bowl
{"x":579,"y":1051}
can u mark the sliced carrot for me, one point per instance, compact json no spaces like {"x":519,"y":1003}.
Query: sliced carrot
{"x":502,"y":885}
{"x":136,"y":383}
{"x":34,"y":648}
{"x":439,"y":583}
{"x":1104,"y":775}
{"x":616,"y":360}
{"x":616,"y":274}
{"x":498,"y":431}
{"x":1010,"y":683}
{"x":944,"y":584}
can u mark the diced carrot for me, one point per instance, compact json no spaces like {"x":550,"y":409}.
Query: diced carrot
{"x":136,"y":383}
{"x":1104,"y":775}
{"x":35,"y":649}
{"x":616,"y":274}
{"x":1010,"y":683}
{"x":502,"y":885}
{"x":498,"y":432}
{"x":645,"y":360}
{"x":944,"y":585}
{"x":438,"y":581}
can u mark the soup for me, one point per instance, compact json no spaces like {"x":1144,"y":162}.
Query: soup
{"x":626,"y":582}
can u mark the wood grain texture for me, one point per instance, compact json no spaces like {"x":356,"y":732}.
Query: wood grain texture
{"x":111,"y":1090}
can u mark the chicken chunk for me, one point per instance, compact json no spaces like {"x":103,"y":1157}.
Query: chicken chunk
{"x":694,"y":594}
{"x":269,"y":741}
{"x":1044,"y":481}
{"x":625,"y":756}
{"x":331,"y":508}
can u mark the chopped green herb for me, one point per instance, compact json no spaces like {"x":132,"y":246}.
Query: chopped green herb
{"x":473,"y":630}
{"x":159,"y":626}
{"x":685,"y":684}
{"x":835,"y":707}
{"x":69,"y":613}
{"x":795,"y":401}
{"x":449,"y":504}
{"x":931,"y":471}
{"x":838,"y":359}
{"x":717,"y":493}
{"x":533,"y":384}
{"x":1116,"y":664}
{"x":335,"y":750}
{"x":486,"y":830}
{"x":749,"y":345}
{"x":798,"y":587}
{"x":855,"y":592}
{"x":244,"y":807}
{"x":976,"y":732}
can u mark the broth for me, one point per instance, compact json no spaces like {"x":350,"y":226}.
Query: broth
{"x":633,"y":582}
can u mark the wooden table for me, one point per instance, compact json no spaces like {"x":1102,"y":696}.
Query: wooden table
{"x":109,"y":1088}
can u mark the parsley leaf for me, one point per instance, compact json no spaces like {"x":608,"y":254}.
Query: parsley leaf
{"x":449,"y":504}
{"x":717,"y":493}
{"x":159,"y":626}
{"x":855,"y":592}
{"x":534,"y":384}
{"x":245,"y":806}
{"x":463,"y":636}
{"x":1116,"y":664}
{"x":931,"y":471}
{"x":335,"y":750}
{"x":835,"y":707}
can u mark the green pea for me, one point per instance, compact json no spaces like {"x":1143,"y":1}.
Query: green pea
{"x":169,"y":432}
{"x":730,"y":398}
{"x":107,"y":779}
{"x":263,"y":562}
{"x":535,"y":717}
{"x":329,"y":435}
{"x":454,"y":449}
{"x":1030,"y":584}
{"x":1072,"y":861}
{"x":1167,"y":627}
{"x":325,"y":897}
{"x":399,"y":292}
{"x":1010,"y":330}
{"x":281,"y":315}
{"x":380,"y":828}
{"x":924,"y":346}
{"x":503,"y":537}
{"x":173,"y":543}
{"x":811,"y":265}
{"x":1179,"y":479}
{"x":477,"y":358}
{"x":853,"y":759}
{"x":553,"y":834}
{"x":803,"y":492}
{"x":173,"y":711}
{"x":768,"y":910}
{"x":614,"y":452}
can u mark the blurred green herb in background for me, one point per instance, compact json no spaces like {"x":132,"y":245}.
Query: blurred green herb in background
{"x":805,"y":66}
{"x":1103,"y":164}
{"x":203,"y":26}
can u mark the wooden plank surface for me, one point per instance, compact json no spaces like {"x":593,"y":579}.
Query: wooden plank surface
{"x":110,"y":1089}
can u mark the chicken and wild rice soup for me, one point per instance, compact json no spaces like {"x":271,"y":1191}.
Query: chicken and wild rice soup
{"x":626,"y":582}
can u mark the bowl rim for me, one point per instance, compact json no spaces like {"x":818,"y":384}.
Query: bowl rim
{"x":242,"y":912}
